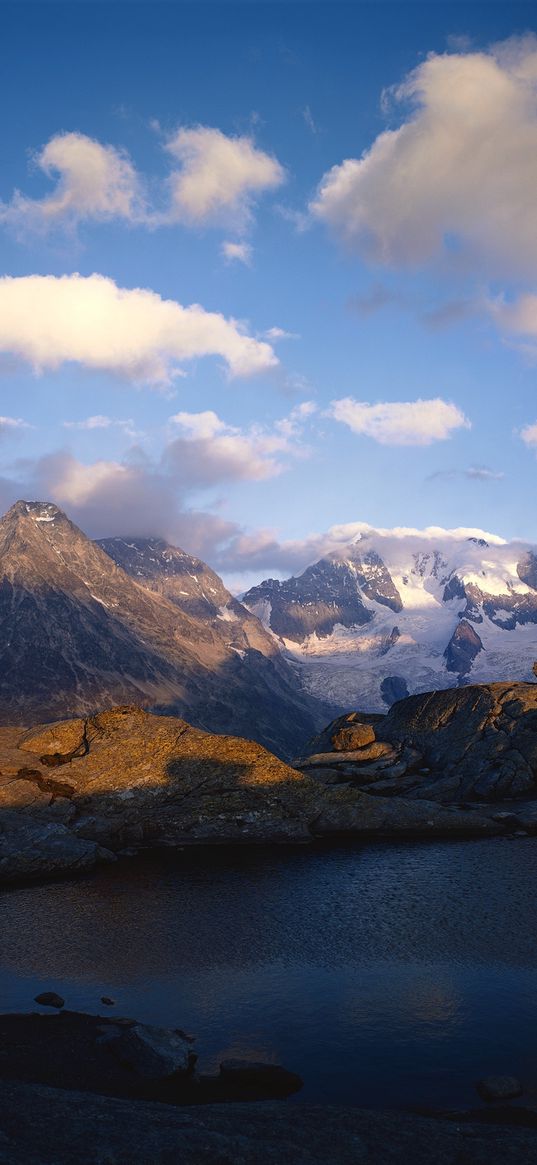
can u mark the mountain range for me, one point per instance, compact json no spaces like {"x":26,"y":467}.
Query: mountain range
{"x":85,"y":626}
{"x":88,"y":625}
{"x":393,"y":614}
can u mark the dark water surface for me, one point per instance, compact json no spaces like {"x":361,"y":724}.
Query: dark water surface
{"x":384,"y":975}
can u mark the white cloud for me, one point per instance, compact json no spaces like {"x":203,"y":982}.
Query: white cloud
{"x":208,"y":450}
{"x":94,"y":182}
{"x":237,"y":253}
{"x":101,"y":422}
{"x":517,"y":318}
{"x":48,"y":321}
{"x":483,"y":473}
{"x":529,"y":435}
{"x":460,"y":173}
{"x":218,"y":183}
{"x":74,"y":483}
{"x":262,"y":551}
{"x":274,"y":334}
{"x":7,"y":423}
{"x":417,"y":422}
{"x":220,"y":176}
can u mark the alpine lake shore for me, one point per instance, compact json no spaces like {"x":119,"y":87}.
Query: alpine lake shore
{"x":75,"y":794}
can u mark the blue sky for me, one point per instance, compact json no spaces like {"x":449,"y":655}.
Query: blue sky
{"x":193,"y":145}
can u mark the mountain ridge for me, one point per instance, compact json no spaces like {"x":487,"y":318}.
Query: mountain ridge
{"x":406,"y":611}
{"x":78,"y":633}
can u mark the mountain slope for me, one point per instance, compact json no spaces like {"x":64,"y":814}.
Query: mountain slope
{"x":406,"y":612}
{"x":77,"y":633}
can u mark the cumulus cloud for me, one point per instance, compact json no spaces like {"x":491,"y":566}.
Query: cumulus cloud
{"x":458,"y":174}
{"x":417,"y":422}
{"x":529,"y":435}
{"x":93,"y":181}
{"x":237,"y":253}
{"x":220,"y":177}
{"x":218,"y":181}
{"x":48,"y":321}
{"x":208,"y":450}
{"x":144,"y":496}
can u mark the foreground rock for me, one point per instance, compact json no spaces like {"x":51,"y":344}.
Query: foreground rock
{"x":48,"y":1126}
{"x":446,"y":764}
{"x":472,"y":744}
{"x":79,"y":792}
{"x":123,"y":1058}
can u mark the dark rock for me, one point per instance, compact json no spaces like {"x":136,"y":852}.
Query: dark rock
{"x":462,"y":648}
{"x":153,"y":1053}
{"x":393,"y":688}
{"x":107,"y":1001}
{"x":499,"y":1088}
{"x":272,"y":1078}
{"x":50,"y":999}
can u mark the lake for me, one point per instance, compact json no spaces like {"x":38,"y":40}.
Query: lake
{"x":386,"y":975}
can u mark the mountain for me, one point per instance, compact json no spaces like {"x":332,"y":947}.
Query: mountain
{"x":392,"y":614}
{"x":78,"y":633}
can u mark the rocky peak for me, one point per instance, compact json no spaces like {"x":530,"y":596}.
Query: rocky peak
{"x":462,"y":648}
{"x":168,"y":570}
{"x":78,"y":632}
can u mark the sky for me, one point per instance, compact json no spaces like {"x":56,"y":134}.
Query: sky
{"x":269,"y":271}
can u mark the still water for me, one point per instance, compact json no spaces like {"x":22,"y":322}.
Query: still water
{"x":384,"y":975}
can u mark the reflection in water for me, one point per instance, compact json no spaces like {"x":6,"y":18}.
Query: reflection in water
{"x":383,"y":974}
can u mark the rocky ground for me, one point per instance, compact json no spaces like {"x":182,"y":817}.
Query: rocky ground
{"x":105,"y":1090}
{"x":459,"y":763}
{"x":49,"y":1126}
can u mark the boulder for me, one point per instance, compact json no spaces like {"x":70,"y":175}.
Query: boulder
{"x":50,"y":999}
{"x":499,"y":1088}
{"x":152,"y":1053}
{"x":353,"y":736}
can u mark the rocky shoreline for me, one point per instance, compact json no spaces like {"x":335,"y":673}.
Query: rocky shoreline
{"x":103,"y":1090}
{"x":77,"y":793}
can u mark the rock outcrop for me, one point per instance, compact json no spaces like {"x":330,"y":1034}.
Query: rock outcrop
{"x":475,"y":744}
{"x":78,"y":792}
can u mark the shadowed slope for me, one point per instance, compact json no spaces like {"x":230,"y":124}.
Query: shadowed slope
{"x":78,"y":633}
